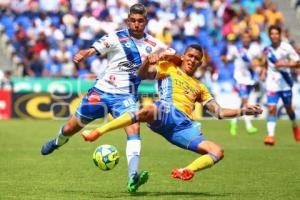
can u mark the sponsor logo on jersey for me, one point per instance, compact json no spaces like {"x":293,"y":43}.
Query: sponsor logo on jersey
{"x":150,"y":42}
{"x":128,"y":66}
{"x":121,"y":39}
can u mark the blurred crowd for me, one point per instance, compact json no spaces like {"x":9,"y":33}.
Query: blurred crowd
{"x":46,"y":34}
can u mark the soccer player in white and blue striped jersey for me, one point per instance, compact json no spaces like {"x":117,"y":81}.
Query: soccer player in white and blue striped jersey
{"x":281,"y":57}
{"x":116,"y":91}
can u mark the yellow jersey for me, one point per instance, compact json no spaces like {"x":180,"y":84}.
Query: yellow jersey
{"x":180,"y":89}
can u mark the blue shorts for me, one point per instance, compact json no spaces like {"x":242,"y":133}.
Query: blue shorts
{"x":176,"y":127}
{"x":244,"y":90}
{"x":273,"y":97}
{"x":97,"y":104}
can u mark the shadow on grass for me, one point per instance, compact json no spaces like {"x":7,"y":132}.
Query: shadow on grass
{"x":199,"y":194}
{"x":125,"y":195}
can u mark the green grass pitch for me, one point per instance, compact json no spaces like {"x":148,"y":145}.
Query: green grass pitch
{"x":249,"y":170}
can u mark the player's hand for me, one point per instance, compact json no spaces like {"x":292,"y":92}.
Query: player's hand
{"x":176,"y":59}
{"x":252,"y":110}
{"x":153,"y":58}
{"x":78,"y":57}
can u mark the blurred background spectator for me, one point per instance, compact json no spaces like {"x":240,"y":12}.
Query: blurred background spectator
{"x":46,"y":34}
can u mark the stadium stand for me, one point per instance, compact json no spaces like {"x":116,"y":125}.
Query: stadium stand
{"x":39,"y":38}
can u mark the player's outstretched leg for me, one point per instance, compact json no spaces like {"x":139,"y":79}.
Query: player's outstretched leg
{"x":214,"y":154}
{"x":69,"y":129}
{"x":136,"y":180}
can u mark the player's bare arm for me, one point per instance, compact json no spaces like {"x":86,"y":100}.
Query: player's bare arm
{"x":83,"y":54}
{"x":217,"y":111}
{"x":290,"y":64}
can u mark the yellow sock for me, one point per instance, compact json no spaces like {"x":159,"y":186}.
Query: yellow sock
{"x":124,"y":120}
{"x":201,"y":163}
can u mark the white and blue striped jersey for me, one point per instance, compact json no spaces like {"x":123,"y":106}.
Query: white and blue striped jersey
{"x":280,"y":79}
{"x":242,"y":57}
{"x":125,"y":55}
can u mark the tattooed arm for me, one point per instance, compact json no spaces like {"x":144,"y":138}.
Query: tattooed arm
{"x":222,"y":113}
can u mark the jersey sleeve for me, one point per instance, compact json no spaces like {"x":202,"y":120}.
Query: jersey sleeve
{"x":293,"y":55}
{"x":232,"y":53}
{"x":204,"y":96}
{"x":104,"y":44}
{"x":163,"y":48}
{"x":162,"y":69}
{"x":256,"y":51}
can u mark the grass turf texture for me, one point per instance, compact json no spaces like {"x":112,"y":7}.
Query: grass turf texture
{"x":249,"y":170}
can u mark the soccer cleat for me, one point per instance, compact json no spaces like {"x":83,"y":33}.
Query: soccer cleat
{"x":136,"y":180}
{"x":90,"y":135}
{"x":251,"y":130}
{"x":233,"y":129}
{"x":183,"y":174}
{"x":269,"y":140}
{"x":296,"y":131}
{"x":49,"y":147}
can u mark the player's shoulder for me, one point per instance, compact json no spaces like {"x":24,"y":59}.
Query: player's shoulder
{"x":151,"y":40}
{"x":285,"y":45}
{"x":255,"y":46}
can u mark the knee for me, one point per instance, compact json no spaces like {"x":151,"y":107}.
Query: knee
{"x":272,"y":110}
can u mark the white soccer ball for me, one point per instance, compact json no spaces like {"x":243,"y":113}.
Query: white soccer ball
{"x":106,"y":157}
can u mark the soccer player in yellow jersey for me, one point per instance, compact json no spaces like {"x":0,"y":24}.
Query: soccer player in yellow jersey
{"x":171,"y":115}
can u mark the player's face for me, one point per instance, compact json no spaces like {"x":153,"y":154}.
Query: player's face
{"x":275,"y":36}
{"x":191,"y":60}
{"x":136,"y":24}
{"x":246,"y":39}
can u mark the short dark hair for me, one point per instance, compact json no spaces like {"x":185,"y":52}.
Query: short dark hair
{"x":195,"y":46}
{"x":274,"y":27}
{"x":138,"y":8}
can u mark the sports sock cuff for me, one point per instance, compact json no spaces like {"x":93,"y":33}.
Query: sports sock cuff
{"x":134,"y":137}
{"x":61,"y":131}
{"x":271,"y":118}
{"x":214,"y":157}
{"x":133,"y":117}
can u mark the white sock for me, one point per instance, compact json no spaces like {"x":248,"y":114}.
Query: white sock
{"x":234,"y":121}
{"x":248,"y":121}
{"x":133,"y":149}
{"x":61,"y":139}
{"x":271,"y":128}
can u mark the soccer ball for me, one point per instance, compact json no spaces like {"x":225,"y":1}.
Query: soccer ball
{"x":106,"y":157}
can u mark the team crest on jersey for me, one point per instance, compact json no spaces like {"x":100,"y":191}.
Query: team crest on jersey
{"x":106,"y":44}
{"x":179,"y":73}
{"x":148,"y":49}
